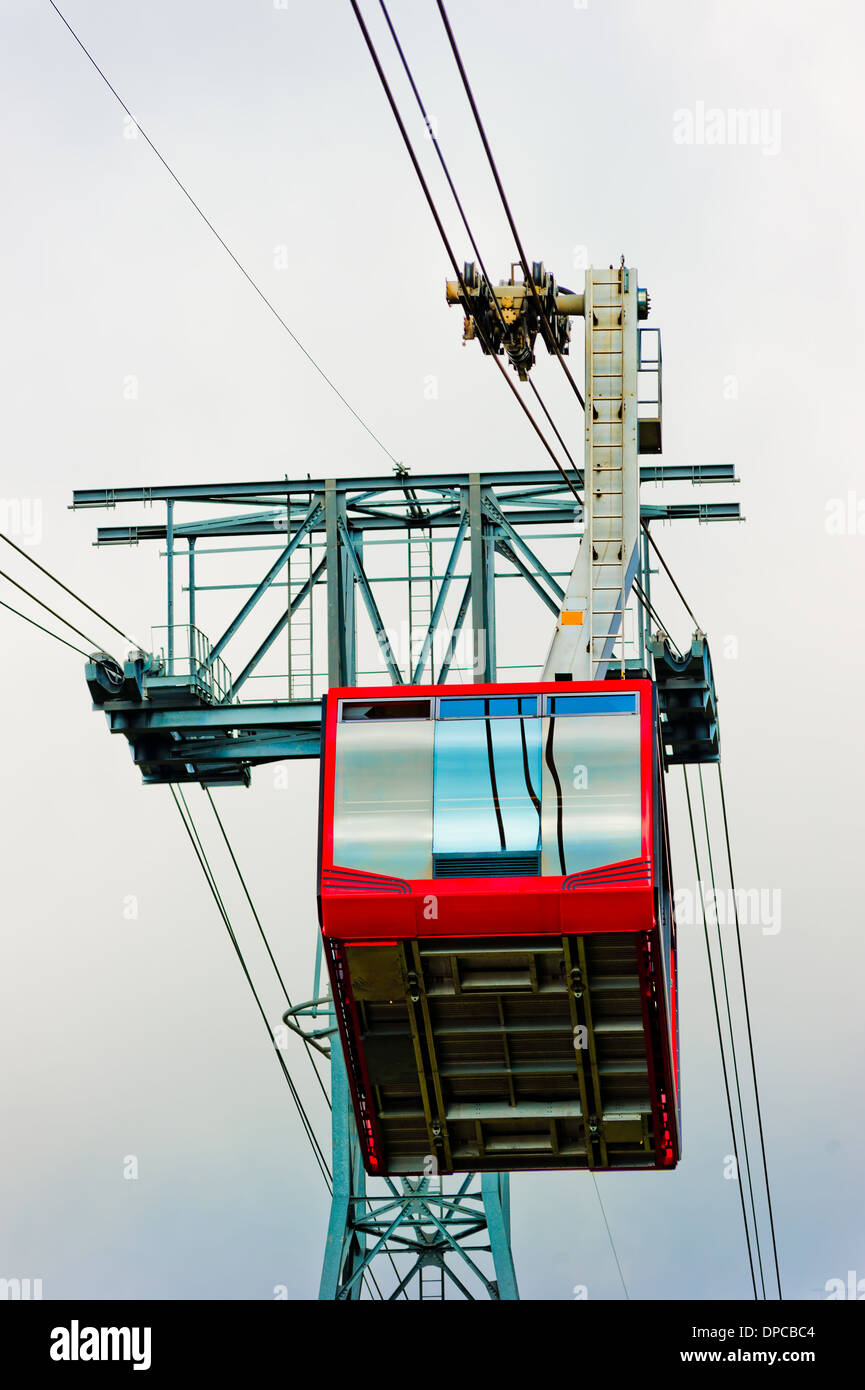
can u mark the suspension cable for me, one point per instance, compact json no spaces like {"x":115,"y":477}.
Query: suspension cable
{"x":436,"y":145}
{"x":480,"y":260}
{"x":750,"y":1036}
{"x":652,"y":612}
{"x":71,"y":592}
{"x":555,"y":429}
{"x":309,"y":1051}
{"x":447,"y":245}
{"x":610,"y":1235}
{"x":189,"y":826}
{"x":244,"y":272}
{"x":257,"y":288}
{"x":434,"y":138}
{"x":47,"y":630}
{"x":730,"y":1027}
{"x":645,"y":525}
{"x":96,"y":646}
{"x":720,"y":1039}
{"x":542,"y":313}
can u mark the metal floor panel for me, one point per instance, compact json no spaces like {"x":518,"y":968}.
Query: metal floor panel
{"x":525,"y":1053}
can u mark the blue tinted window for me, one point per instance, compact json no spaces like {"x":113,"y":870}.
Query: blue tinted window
{"x":496,"y":706}
{"x":592,"y":704}
{"x":486,"y":786}
{"x":461,"y":709}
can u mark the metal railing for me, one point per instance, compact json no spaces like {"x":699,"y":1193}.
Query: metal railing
{"x":185,"y":655}
{"x":649,"y":374}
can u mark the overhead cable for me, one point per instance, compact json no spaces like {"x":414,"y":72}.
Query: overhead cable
{"x":750,"y":1036}
{"x":57,"y":638}
{"x":732,"y":1035}
{"x":71,"y":592}
{"x":542,"y":314}
{"x":462,"y":212}
{"x":96,"y":646}
{"x":263,"y":936}
{"x":244,"y":272}
{"x":447,"y":245}
{"x":189,"y":826}
{"x":720,"y":1038}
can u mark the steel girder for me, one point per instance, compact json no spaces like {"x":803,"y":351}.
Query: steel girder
{"x":418,"y":1229}
{"x":372,"y":492}
{"x":182,"y":727}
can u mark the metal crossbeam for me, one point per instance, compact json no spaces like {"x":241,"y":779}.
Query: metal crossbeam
{"x":518,"y":512}
{"x":529,"y":481}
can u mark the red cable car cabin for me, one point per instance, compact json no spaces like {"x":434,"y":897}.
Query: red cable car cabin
{"x":495,"y":901}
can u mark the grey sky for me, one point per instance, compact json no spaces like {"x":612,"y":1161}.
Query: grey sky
{"x":136,"y":1037}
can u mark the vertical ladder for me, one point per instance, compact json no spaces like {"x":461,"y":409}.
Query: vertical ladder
{"x":605,"y":504}
{"x":300,"y":624}
{"x":431,"y":1277}
{"x":593,"y":609}
{"x":420,"y":593}
{"x":432,"y":1283}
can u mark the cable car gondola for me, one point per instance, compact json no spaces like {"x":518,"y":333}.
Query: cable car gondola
{"x":496,"y":906}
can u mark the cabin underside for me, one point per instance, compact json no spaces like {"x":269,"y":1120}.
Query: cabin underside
{"x":516,"y":1053}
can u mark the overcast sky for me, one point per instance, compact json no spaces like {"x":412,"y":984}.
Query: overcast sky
{"x":133,"y":1035}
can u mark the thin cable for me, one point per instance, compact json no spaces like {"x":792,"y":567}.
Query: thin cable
{"x":650,"y":538}
{"x":95,"y":646}
{"x":224,"y":910}
{"x":444,"y":236}
{"x":264,"y":937}
{"x":480,"y":260}
{"x":732,"y":1036}
{"x":720,"y":1040}
{"x":244,"y":272}
{"x":19,"y":614}
{"x":647,"y":606}
{"x":282,"y":983}
{"x":551,"y":341}
{"x":610,"y":1235}
{"x":750,"y":1037}
{"x":554,"y":428}
{"x":71,"y":592}
{"x":429,"y":126}
{"x":189,"y":826}
{"x":211,"y":878}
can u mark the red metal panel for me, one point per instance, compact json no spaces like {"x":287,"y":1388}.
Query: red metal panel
{"x":617,"y":898}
